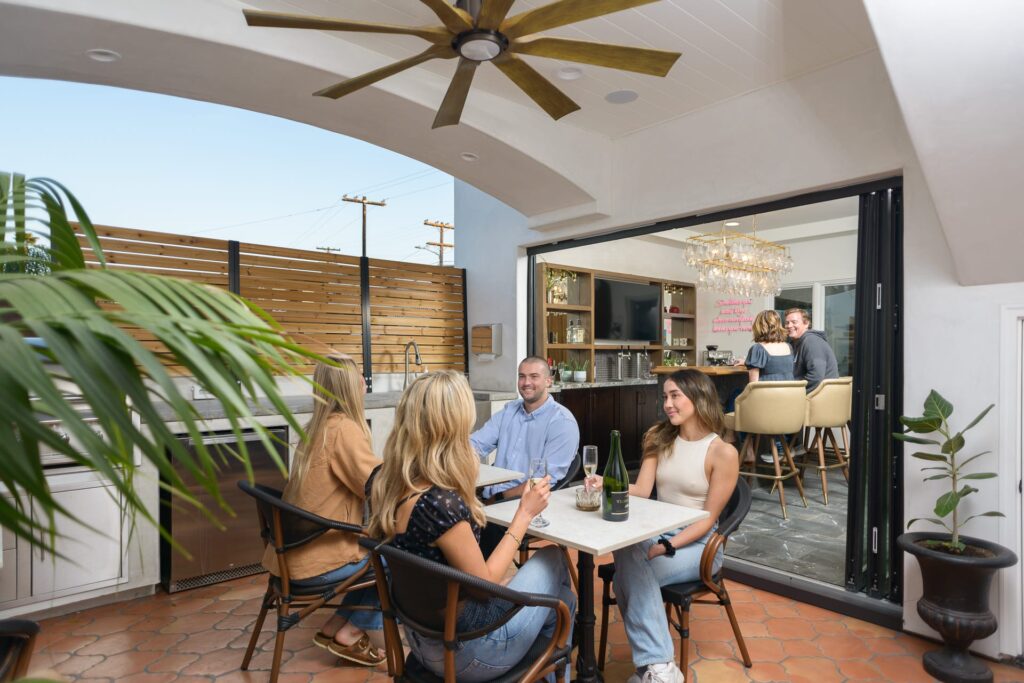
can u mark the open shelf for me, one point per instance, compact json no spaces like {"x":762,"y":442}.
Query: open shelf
{"x":574,"y":304}
{"x":566,"y":307}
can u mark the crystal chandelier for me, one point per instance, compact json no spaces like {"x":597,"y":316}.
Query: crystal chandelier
{"x":738,"y":264}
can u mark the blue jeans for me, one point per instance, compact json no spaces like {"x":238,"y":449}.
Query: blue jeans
{"x":368,"y":620}
{"x":492,"y":655}
{"x":638,"y":583}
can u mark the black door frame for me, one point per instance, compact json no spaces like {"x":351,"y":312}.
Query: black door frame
{"x":873,"y":582}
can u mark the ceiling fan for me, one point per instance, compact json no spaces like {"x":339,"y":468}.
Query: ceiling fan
{"x":479,"y":31}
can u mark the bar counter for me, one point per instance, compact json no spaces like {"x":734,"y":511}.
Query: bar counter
{"x":711,"y":370}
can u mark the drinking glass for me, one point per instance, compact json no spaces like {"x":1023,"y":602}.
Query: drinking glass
{"x":538,"y":470}
{"x":589,"y":461}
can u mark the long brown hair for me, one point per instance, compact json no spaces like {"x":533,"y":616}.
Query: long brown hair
{"x":768,"y":327}
{"x":701,"y":391}
{"x":429,"y":446}
{"x":338,"y":390}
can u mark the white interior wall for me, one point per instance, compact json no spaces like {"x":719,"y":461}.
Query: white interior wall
{"x":830,"y":128}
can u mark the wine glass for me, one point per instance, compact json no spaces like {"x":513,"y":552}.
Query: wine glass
{"x":538,"y":470}
{"x":589,"y":463}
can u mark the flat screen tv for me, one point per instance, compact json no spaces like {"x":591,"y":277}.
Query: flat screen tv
{"x":626,"y":311}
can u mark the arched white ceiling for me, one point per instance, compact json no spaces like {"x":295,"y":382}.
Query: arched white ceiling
{"x":551,"y":171}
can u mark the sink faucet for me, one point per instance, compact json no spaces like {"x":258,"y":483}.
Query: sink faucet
{"x":416,"y":359}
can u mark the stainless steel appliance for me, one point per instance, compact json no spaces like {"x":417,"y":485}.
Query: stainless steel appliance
{"x":712,"y":356}
{"x":219,"y":554}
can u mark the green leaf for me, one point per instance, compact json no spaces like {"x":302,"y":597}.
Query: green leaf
{"x":983,"y":514}
{"x":921,"y":425}
{"x":938,"y":476}
{"x":978,"y":419}
{"x":946,"y":503}
{"x":979,"y":475}
{"x":914,"y":439}
{"x":965,"y":462}
{"x":936,"y":406}
{"x":954,"y":444}
{"x":928,"y":519}
{"x":933,"y":457}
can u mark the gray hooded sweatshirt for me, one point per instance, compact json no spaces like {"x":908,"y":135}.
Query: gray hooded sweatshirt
{"x":813,"y":359}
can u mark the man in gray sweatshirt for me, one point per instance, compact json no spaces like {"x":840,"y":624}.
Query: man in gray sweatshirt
{"x":813,"y":358}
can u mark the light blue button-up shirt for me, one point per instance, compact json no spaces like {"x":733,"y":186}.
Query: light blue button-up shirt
{"x":550,"y":430}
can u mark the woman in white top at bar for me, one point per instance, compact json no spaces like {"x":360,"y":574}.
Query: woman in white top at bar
{"x":692,"y":466}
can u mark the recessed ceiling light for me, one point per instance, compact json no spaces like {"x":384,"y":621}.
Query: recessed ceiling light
{"x":569,"y":73}
{"x":469,"y":156}
{"x":103,"y":55}
{"x":732,"y":224}
{"x":621,"y":96}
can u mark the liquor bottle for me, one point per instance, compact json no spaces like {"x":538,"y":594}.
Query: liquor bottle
{"x":615,"y":501}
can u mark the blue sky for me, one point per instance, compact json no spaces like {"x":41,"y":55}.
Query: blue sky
{"x":155,"y":162}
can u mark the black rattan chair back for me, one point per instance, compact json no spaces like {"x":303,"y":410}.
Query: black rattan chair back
{"x":17,"y":639}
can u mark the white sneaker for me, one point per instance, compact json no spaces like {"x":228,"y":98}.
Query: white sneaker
{"x":667,"y":672}
{"x":767,"y":458}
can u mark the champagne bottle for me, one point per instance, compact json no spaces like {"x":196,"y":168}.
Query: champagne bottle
{"x":615,"y":499}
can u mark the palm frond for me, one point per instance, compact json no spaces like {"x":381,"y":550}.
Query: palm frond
{"x":82,"y":319}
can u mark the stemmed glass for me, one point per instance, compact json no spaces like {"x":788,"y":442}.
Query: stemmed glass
{"x":538,"y":470}
{"x":589,"y":461}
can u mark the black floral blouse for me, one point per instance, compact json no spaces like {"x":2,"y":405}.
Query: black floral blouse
{"x":436,"y":511}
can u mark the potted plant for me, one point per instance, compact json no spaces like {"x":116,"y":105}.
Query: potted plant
{"x":580,"y":370}
{"x":956,"y":570}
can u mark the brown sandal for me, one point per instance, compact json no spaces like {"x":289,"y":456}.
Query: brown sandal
{"x":360,"y":652}
{"x":323,"y":640}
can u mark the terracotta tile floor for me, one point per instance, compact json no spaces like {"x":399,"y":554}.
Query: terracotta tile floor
{"x":199,"y":636}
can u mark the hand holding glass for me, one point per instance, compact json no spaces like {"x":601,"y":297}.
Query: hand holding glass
{"x":538,"y":471}
{"x":589,"y":464}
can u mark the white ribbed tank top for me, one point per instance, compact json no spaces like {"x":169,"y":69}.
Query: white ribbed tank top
{"x":681,"y":478}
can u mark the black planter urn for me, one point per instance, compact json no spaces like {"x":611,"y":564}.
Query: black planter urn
{"x":955,"y":603}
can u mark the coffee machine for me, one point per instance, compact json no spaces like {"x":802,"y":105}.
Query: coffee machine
{"x":712,"y":356}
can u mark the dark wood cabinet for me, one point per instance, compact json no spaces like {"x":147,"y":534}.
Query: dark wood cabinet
{"x":631,"y":409}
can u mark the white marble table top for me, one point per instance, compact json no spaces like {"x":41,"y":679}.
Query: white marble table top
{"x":588,"y":532}
{"x":489,"y":474}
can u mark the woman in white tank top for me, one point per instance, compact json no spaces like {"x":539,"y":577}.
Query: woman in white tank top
{"x":691,"y":466}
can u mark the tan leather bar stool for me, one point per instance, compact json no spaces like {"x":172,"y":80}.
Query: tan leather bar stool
{"x":829,"y":407}
{"x":772,"y":410}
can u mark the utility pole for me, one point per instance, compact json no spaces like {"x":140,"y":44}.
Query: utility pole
{"x":440,"y":244}
{"x":364,"y":201}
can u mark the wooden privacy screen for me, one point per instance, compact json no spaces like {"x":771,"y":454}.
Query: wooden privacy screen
{"x":425,"y":303}
{"x":316,"y":296}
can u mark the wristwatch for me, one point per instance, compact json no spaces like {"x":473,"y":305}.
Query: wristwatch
{"x":670,"y":550}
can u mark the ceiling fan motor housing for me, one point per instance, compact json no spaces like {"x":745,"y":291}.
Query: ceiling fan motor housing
{"x":480,"y":45}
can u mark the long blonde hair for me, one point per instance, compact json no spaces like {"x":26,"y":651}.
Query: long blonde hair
{"x":701,"y":391}
{"x":768,"y":327}
{"x":428,"y":446}
{"x":338,"y":391}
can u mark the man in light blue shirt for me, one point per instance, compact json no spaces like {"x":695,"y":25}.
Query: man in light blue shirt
{"x":530,"y":427}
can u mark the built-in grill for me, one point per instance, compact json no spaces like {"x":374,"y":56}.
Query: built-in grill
{"x":52,"y":459}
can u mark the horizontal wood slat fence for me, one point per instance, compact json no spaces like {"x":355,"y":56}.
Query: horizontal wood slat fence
{"x":315,"y":296}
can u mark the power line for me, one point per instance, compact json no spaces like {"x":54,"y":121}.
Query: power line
{"x":432,"y":187}
{"x":264,"y":220}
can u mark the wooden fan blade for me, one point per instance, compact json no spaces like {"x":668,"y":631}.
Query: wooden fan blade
{"x":552,"y":100}
{"x":371,"y":77}
{"x":561,"y":13}
{"x":435,"y":34}
{"x":638,"y":59}
{"x":493,"y":13}
{"x":455,"y":20}
{"x":455,"y":99}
